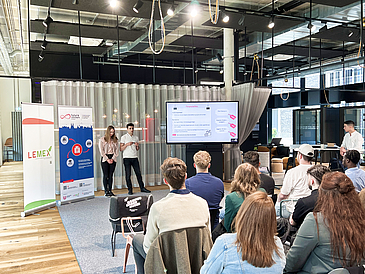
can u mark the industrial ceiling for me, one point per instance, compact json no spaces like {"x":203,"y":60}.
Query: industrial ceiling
{"x":288,"y":45}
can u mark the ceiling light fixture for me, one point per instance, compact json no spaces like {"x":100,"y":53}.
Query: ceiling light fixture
{"x":311,"y":26}
{"x":194,"y":5}
{"x":271,"y":23}
{"x":47,"y":21}
{"x":75,"y":2}
{"x":171,"y":10}
{"x":137,"y":6}
{"x":350,"y":33}
{"x":221,"y":71}
{"x":225,"y":17}
{"x":193,"y":12}
{"x":113,"y":3}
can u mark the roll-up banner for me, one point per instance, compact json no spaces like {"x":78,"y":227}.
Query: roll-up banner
{"x":76,"y":153}
{"x":38,"y":157}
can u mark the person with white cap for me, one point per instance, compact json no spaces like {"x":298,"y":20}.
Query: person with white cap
{"x":295,"y":184}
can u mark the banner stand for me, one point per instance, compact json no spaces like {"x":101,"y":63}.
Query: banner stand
{"x":76,"y":153}
{"x":38,"y":157}
{"x":37,"y":209}
{"x":60,"y":203}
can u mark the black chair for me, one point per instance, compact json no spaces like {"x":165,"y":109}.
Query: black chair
{"x":124,"y":210}
{"x":291,"y":162}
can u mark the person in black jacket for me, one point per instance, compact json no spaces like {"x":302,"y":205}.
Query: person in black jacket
{"x":267,"y":182}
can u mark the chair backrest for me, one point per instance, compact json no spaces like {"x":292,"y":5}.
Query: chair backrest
{"x":339,"y":271}
{"x":179,"y":251}
{"x":287,"y":207}
{"x":9,"y":142}
{"x":129,"y":206}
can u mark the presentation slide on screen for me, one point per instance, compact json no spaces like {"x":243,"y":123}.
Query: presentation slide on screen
{"x":202,"y":122}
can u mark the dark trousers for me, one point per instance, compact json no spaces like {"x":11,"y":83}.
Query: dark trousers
{"x":108,"y":170}
{"x":128,"y":163}
{"x":139,"y":253}
{"x":214,"y":218}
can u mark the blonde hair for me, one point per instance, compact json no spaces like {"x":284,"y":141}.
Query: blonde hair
{"x":107,"y":135}
{"x":246,"y":179}
{"x":202,"y":159}
{"x":256,"y":228}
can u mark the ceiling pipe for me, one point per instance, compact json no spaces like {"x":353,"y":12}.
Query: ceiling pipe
{"x":18,"y":4}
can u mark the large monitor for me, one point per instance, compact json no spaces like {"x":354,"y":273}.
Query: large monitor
{"x":202,"y":122}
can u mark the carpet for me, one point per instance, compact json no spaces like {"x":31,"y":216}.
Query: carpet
{"x":89,"y":231}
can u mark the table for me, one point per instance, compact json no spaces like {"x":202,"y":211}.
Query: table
{"x":318,"y":151}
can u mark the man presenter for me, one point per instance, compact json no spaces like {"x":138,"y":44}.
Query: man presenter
{"x":130,"y":146}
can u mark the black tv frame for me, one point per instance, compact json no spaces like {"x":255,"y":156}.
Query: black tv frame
{"x":188,"y":143}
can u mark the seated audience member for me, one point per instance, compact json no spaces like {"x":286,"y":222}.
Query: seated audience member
{"x":306,"y":204}
{"x":179,"y":209}
{"x":331,"y":236}
{"x":295,"y":184}
{"x":357,"y":176}
{"x":254,"y":248}
{"x":267,"y":182}
{"x":362,"y":197}
{"x":245,"y":182}
{"x":207,"y":186}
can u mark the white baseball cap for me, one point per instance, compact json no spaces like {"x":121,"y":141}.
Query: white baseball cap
{"x":306,"y":150}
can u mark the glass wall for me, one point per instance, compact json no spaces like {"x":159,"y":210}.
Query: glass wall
{"x":282,"y":125}
{"x":307,"y":126}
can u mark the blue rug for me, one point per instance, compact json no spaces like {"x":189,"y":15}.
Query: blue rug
{"x":89,"y":231}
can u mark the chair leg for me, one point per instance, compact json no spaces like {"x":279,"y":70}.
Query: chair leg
{"x":126,"y":252}
{"x":113,"y":239}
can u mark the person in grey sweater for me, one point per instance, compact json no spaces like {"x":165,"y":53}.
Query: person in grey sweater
{"x":179,"y":209}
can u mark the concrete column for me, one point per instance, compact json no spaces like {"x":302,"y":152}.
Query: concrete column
{"x":228,"y":64}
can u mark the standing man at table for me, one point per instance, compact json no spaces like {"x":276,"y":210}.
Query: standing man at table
{"x":130,"y":146}
{"x":352,"y":138}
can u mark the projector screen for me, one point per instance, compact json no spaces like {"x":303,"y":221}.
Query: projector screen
{"x":202,"y":122}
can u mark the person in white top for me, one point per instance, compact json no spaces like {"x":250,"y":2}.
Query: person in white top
{"x":352,"y":139}
{"x":130,"y":146}
{"x":295,"y":184}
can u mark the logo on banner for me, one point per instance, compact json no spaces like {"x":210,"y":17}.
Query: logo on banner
{"x":36,"y":154}
{"x":66,"y":116}
{"x":76,"y":149}
{"x":70,"y":116}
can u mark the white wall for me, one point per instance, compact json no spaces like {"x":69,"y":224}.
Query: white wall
{"x":13,"y":91}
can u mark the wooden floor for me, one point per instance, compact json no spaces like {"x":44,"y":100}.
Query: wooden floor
{"x":36,"y":243}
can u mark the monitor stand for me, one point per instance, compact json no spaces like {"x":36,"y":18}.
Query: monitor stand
{"x":215,"y":151}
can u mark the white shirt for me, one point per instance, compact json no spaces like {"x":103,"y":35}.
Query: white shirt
{"x":130,"y":151}
{"x":353,"y":141}
{"x":295,"y":183}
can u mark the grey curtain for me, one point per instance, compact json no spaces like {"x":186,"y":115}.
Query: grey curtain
{"x":118,"y":104}
{"x":252,"y":102}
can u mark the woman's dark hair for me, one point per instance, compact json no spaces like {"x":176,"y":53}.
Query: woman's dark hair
{"x":343,"y":214}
